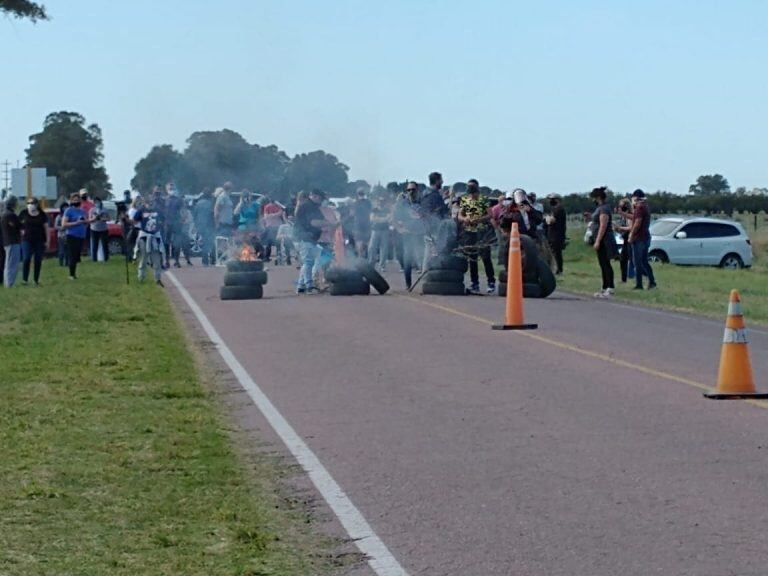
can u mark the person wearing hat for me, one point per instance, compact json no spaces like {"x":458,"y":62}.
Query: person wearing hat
{"x":640,"y":240}
{"x":556,"y":227}
{"x":75,"y":223}
{"x":310,"y":223}
{"x":11,"y":233}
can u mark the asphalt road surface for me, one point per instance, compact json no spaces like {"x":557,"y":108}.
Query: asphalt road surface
{"x":583,"y":448}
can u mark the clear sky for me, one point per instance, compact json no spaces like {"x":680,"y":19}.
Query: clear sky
{"x":551,"y":96}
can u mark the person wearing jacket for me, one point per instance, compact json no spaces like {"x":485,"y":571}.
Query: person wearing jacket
{"x":408,"y":220}
{"x":556,"y":226}
{"x":150,"y":221}
{"x":309,"y":226}
{"x":11,"y":232}
{"x":34,"y":239}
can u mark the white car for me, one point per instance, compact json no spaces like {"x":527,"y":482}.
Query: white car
{"x":700,"y":242}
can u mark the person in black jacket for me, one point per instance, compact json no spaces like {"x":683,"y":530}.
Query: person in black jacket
{"x":433,"y":211}
{"x":556,"y":226}
{"x":307,"y":229}
{"x":11,"y":232}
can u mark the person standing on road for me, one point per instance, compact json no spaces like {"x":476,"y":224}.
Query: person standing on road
{"x":34,"y":239}
{"x":308,"y":228}
{"x":409,"y":223}
{"x":206,"y":226}
{"x":556,"y":230}
{"x":433,"y":211}
{"x":623,"y":227}
{"x":75,"y":222}
{"x":476,"y":235}
{"x":11,"y":232}
{"x":149,"y":220}
{"x":99,"y":230}
{"x":604,"y":241}
{"x":361,"y":215}
{"x":223,"y":212}
{"x":640,"y":239}
{"x":380,"y":221}
{"x":61,"y":235}
{"x":274,"y":217}
{"x":173,"y":227}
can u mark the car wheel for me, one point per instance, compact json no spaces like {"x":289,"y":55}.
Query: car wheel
{"x":658,"y":257}
{"x":115,"y":246}
{"x":241,"y":292}
{"x":373,"y":277}
{"x":336,"y":275}
{"x":732,"y":261}
{"x":245,"y":278}
{"x":444,"y":276}
{"x":443,"y":288}
{"x":350,"y":288}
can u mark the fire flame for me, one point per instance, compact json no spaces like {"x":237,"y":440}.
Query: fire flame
{"x":247,"y":254}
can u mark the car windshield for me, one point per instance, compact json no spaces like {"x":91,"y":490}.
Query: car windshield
{"x":664,"y":227}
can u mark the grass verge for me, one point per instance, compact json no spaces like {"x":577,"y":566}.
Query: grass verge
{"x":115,"y":460}
{"x":699,"y":290}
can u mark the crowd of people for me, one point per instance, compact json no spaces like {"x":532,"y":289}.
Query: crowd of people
{"x":407,"y":227}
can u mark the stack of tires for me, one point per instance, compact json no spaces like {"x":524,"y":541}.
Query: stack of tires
{"x":538,"y":279}
{"x":243,"y":280}
{"x":355,"y":281}
{"x":445,"y":276}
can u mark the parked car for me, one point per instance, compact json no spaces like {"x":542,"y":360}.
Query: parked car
{"x":115,"y":231}
{"x":700,"y":242}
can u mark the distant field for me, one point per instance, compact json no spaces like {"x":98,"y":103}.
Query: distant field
{"x":700,"y":290}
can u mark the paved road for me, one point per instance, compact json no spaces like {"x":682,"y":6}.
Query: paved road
{"x":584,"y":448}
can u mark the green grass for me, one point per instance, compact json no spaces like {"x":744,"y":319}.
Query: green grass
{"x":115,"y":457}
{"x":700,"y":290}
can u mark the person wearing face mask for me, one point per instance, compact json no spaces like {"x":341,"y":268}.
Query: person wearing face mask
{"x":34,"y":239}
{"x":61,"y":235}
{"x":75,"y":222}
{"x":556,"y":227}
{"x":410,"y":225}
{"x":99,"y":236}
{"x":474,"y":218}
{"x":11,"y":232}
{"x":85,"y":206}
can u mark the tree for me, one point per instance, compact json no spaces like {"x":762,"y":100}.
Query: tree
{"x":710,"y":184}
{"x":163,"y":164}
{"x":316,"y":170}
{"x":23,"y":9}
{"x":72,"y":152}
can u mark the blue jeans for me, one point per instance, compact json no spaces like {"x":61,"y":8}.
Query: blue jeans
{"x":308,"y":253}
{"x":379,"y":246}
{"x":12,"y":259}
{"x":30,"y":250}
{"x":61,"y":249}
{"x":642,"y":266}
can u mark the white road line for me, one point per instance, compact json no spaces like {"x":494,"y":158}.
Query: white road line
{"x":380,"y":559}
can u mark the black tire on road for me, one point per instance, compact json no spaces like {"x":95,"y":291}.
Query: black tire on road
{"x":373,"y":277}
{"x":443,"y":288}
{"x":241,"y":266}
{"x":547,"y":280}
{"x":503,"y":276}
{"x":531,"y":290}
{"x":501,"y":289}
{"x":245,"y":278}
{"x":448,"y":262}
{"x":354,"y":288}
{"x":241,"y":292}
{"x":343,"y":275}
{"x":444,"y":275}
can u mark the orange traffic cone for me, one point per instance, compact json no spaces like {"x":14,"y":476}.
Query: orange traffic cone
{"x":514,"y":316}
{"x":338,"y":247}
{"x":734,"y":379}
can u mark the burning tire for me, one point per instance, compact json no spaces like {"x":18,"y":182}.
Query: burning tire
{"x":445,"y":275}
{"x":443,"y":288}
{"x":254,"y":292}
{"x":448,"y":263}
{"x":373,"y":277}
{"x":336,"y":275}
{"x":350,"y":288}
{"x":245,"y":278}
{"x":245,"y":266}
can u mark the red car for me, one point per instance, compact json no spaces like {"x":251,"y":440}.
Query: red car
{"x":114,"y":242}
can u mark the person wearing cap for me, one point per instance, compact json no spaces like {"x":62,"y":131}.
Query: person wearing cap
{"x":11,"y":233}
{"x":640,"y":240}
{"x":474,"y":218}
{"x":76,"y":224}
{"x":34,"y":239}
{"x":309,"y":226}
{"x":556,"y":227}
{"x":604,"y":242}
{"x":410,"y":225}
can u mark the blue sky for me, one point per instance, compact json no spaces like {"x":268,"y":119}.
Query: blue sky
{"x":551,"y":96}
